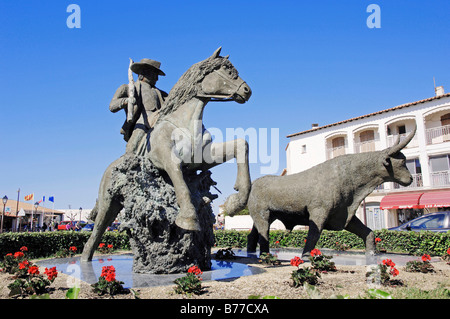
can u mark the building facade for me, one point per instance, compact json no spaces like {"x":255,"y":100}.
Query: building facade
{"x":428,"y":156}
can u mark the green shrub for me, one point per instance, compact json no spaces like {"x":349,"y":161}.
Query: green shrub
{"x":414,"y":243}
{"x":46,"y":244}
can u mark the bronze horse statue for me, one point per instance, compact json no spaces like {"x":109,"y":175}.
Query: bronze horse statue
{"x":179,"y":143}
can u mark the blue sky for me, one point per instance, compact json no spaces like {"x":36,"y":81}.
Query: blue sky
{"x":306,"y":62}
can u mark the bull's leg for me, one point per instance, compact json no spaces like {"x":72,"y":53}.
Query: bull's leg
{"x":218,"y":153}
{"x":262,"y":225}
{"x":315,"y":229}
{"x":356,"y":227}
{"x":252,"y":240}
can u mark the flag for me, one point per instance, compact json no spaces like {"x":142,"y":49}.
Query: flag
{"x":29,"y":197}
{"x":39,"y":201}
{"x":51,"y":199}
{"x":43,"y":199}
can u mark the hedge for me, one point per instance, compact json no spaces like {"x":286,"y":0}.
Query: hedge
{"x":413,"y":243}
{"x":45,"y":244}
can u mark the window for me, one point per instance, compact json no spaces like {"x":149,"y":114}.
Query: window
{"x":367,"y":136}
{"x":413,"y":166}
{"x":439,"y":163}
{"x":401,"y":129}
{"x":303,"y":149}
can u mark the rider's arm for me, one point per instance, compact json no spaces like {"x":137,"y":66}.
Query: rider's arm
{"x":119,"y":100}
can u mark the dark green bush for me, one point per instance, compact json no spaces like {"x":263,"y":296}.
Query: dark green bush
{"x":414,"y":243}
{"x":46,"y":244}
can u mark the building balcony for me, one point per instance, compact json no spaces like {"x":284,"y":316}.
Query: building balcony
{"x":368,"y":146}
{"x":391,"y":139}
{"x":417,"y":183}
{"x":438,"y":134}
{"x":333,"y":152}
{"x":441,"y":178}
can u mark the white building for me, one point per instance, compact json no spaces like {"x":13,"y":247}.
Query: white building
{"x":428,"y":156}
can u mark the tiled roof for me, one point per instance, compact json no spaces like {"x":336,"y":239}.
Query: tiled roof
{"x":27,"y":207}
{"x":371,"y":114}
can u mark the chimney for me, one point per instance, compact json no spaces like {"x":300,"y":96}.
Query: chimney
{"x":315,"y":125}
{"x":439,"y":90}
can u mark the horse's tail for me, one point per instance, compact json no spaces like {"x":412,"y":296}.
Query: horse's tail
{"x":93,"y":214}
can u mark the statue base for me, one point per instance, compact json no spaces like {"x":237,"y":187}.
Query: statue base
{"x":149,"y":211}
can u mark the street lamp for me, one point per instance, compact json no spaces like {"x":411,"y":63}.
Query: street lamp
{"x":5,"y":200}
{"x":80,"y":213}
{"x":35,"y":209}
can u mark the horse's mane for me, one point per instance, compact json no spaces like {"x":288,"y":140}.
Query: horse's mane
{"x":187,"y":86}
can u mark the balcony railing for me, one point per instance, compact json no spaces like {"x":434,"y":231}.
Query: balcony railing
{"x":336,"y":151}
{"x":391,"y":139}
{"x":438,"y":134}
{"x":368,"y":146}
{"x":441,"y":178}
{"x":416,"y":183}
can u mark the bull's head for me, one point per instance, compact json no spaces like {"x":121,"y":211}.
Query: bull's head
{"x":394,"y":162}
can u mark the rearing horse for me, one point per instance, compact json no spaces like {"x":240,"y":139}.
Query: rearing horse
{"x":179,"y":142}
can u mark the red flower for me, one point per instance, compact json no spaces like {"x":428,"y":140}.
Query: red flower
{"x":388,"y":262}
{"x":33,"y":270}
{"x":316,"y":252}
{"x":51,"y":273}
{"x":448,"y":251}
{"x":23,"y":248}
{"x":110,"y":246}
{"x":73,"y":248}
{"x":377,"y":240}
{"x":195,"y":270}
{"x":12,"y":254}
{"x":296,"y":261}
{"x":18,"y":254}
{"x":101,"y":245}
{"x":426,"y":257}
{"x":24,"y":264}
{"x":109,"y":273}
{"x":394,"y":271}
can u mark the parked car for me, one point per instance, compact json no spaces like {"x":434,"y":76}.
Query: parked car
{"x":88,"y":227}
{"x":113,"y":227}
{"x":436,"y":222}
{"x":72,"y":225}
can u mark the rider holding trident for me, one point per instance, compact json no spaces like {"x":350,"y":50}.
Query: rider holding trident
{"x":141,"y":101}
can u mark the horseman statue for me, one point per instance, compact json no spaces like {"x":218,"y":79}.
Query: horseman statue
{"x":167,"y":131}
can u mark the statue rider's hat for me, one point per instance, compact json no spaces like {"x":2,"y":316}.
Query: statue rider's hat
{"x":138,"y":67}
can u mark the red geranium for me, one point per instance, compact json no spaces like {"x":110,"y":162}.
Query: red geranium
{"x":33,"y":270}
{"x":195,"y":270}
{"x":377,"y":240}
{"x":24,"y":264}
{"x":388,"y":262}
{"x":73,"y":248}
{"x":101,"y":245}
{"x":18,"y":254}
{"x":23,"y":248}
{"x":51,"y":273}
{"x":394,"y":271}
{"x":109,"y":273}
{"x":316,"y":252}
{"x":110,"y":246}
{"x":296,"y":261}
{"x":426,"y":258}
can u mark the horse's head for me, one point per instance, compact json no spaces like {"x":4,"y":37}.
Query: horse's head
{"x":223,"y":82}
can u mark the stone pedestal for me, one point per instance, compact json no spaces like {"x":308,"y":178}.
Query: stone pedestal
{"x":149,"y":213}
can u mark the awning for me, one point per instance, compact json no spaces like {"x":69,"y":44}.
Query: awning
{"x":435,"y":199}
{"x":400,"y":201}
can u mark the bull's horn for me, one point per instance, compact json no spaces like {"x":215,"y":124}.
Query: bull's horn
{"x":398,"y":146}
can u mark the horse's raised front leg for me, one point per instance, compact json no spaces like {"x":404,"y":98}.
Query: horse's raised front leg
{"x":218,"y":153}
